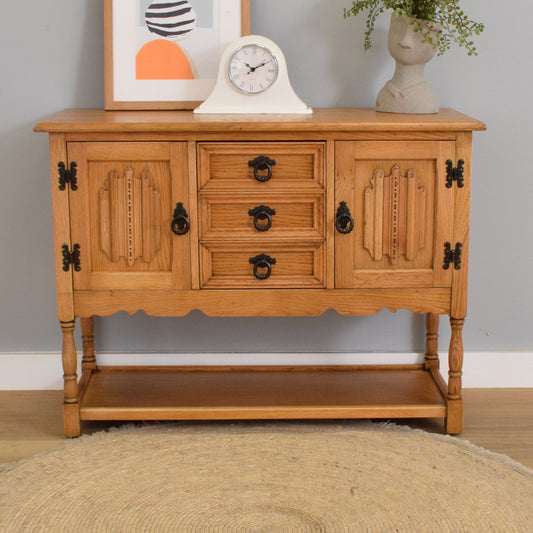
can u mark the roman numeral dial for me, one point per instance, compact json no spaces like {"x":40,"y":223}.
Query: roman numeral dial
{"x":252,"y":69}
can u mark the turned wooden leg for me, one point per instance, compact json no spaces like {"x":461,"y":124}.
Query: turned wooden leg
{"x":87,"y":338}
{"x":431,"y":359}
{"x":71,"y":403}
{"x":454,"y":420}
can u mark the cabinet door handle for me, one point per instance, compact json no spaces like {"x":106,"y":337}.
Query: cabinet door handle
{"x":180,"y":221}
{"x":260,"y":213}
{"x":260,"y":164}
{"x":344,"y":220}
{"x":262,"y":262}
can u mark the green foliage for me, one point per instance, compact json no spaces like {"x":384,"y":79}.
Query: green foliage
{"x":452,"y":23}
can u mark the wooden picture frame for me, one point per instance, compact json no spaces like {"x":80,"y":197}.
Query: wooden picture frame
{"x":131,"y":83}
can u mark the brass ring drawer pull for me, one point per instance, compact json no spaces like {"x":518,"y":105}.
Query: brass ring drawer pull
{"x":260,"y":164}
{"x":261,"y":213}
{"x":262,"y":265}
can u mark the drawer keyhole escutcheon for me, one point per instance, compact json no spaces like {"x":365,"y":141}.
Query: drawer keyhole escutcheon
{"x":180,"y":221}
{"x":344,"y":220}
{"x":260,"y":165}
{"x":262,"y":265}
{"x":262,"y":213}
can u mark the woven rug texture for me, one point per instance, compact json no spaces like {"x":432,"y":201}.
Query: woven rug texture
{"x":266,"y":477}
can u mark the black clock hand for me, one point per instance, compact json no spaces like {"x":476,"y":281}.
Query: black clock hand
{"x":253,"y":69}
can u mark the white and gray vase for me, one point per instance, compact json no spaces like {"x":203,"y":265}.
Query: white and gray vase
{"x":407,"y":91}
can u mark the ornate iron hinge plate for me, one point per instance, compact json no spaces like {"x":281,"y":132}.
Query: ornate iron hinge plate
{"x":71,"y":257}
{"x":67,"y":175}
{"x":455,"y":173}
{"x":452,"y":255}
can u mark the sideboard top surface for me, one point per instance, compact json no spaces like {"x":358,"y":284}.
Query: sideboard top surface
{"x":326,"y":119}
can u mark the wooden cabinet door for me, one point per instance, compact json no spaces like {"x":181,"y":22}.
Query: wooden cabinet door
{"x":121,"y":215}
{"x":402,"y":213}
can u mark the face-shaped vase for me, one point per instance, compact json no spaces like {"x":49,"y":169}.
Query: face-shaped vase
{"x":405,"y":44}
{"x":407,"y":91}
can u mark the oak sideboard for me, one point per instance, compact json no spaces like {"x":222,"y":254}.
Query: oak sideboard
{"x":260,"y":215}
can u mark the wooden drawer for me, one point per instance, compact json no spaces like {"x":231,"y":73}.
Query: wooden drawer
{"x":228,"y":265}
{"x":262,"y":216}
{"x":228,"y":165}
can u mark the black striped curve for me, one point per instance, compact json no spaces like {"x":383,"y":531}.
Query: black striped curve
{"x":170,"y":25}
{"x":169,"y":14}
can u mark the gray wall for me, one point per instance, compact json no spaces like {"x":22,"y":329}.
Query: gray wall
{"x":51,"y":59}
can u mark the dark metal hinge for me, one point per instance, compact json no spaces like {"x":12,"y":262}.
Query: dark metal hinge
{"x":71,"y":257}
{"x":455,"y":173}
{"x":452,"y":255}
{"x":67,"y":175}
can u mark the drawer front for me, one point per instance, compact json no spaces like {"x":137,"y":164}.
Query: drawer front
{"x":287,"y":265}
{"x":262,"y":216}
{"x":260,"y":165}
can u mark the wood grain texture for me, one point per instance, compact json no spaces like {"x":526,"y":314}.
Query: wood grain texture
{"x":129,"y":216}
{"x":455,"y":359}
{"x":227,"y":265}
{"x":183,"y":255}
{"x":454,"y":420}
{"x":394,"y":215}
{"x":71,"y":400}
{"x":247,"y":393}
{"x":246,"y":17}
{"x":108,"y":54}
{"x":273,"y":302}
{"x":87,"y":339}
{"x":325,"y":120}
{"x":330,"y":214}
{"x":194,"y":217}
{"x":461,"y":229}
{"x":298,"y":215}
{"x":122,"y":211}
{"x":431,"y":358}
{"x":60,"y":205}
{"x":402,"y":211}
{"x":226,"y":165}
{"x":312,"y":135}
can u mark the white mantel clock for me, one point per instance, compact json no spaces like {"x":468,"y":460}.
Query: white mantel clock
{"x":253,"y":78}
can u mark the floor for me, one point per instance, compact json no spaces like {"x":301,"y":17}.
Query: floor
{"x":500,"y":420}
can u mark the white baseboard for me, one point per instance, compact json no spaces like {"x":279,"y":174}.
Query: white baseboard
{"x":42,"y":371}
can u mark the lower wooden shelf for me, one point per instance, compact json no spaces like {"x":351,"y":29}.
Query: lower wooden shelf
{"x":226,"y":393}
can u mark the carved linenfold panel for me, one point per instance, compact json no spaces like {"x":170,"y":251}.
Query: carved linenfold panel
{"x":394,"y":215}
{"x":129,"y":217}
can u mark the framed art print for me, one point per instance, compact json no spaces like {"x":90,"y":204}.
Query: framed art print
{"x":164,"y":54}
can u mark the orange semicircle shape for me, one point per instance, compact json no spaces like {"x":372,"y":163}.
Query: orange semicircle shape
{"x":162,"y":60}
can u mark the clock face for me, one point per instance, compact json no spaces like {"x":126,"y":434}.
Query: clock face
{"x":252,"y":69}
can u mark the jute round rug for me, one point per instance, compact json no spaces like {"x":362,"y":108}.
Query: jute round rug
{"x":270,"y":476}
